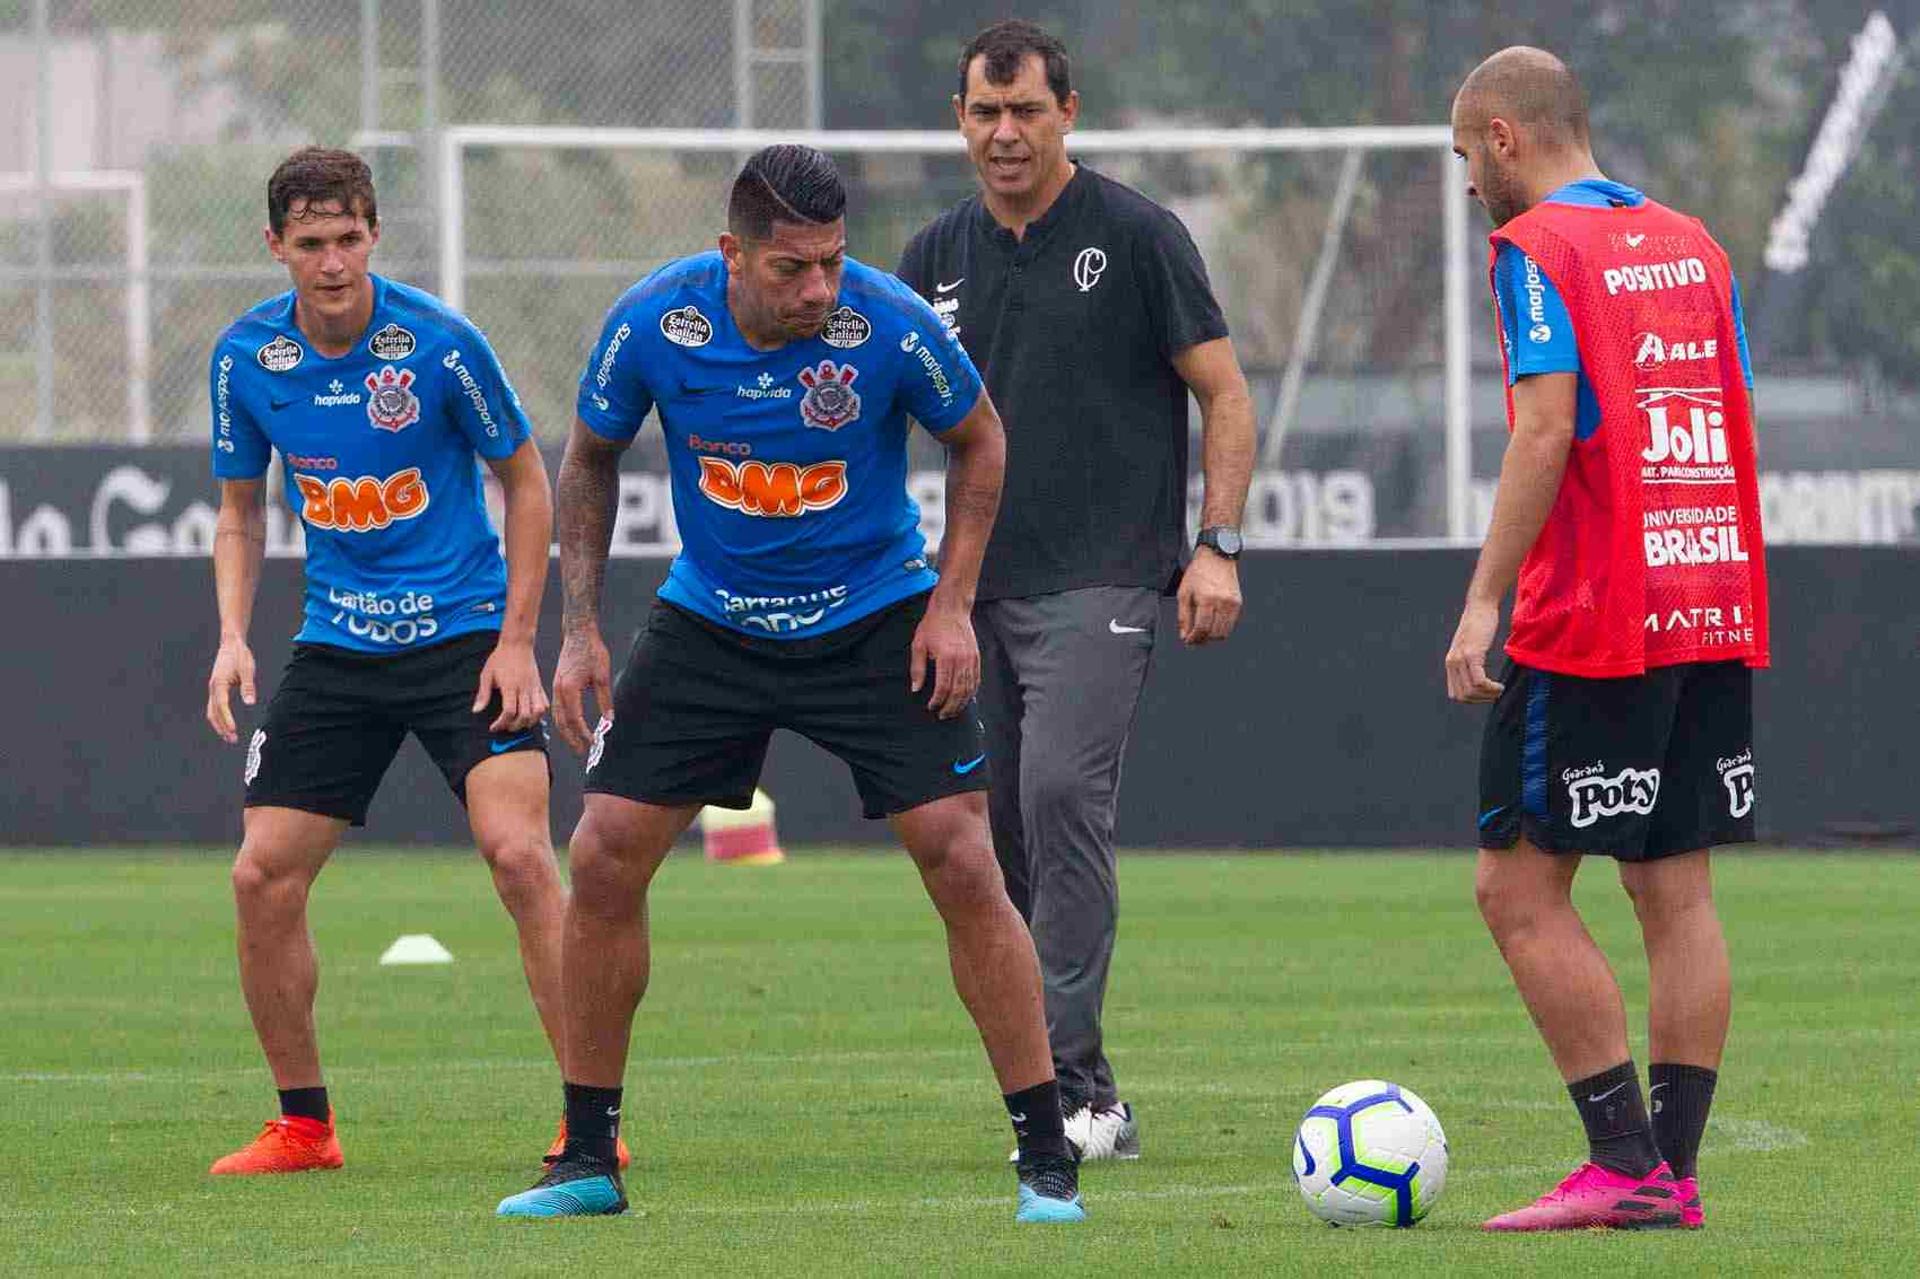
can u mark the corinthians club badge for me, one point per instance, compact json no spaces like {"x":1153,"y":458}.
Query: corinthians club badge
{"x":392,"y":406}
{"x":830,"y":402}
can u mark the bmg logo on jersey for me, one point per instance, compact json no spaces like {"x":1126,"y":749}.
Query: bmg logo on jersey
{"x":779,"y":490}
{"x":1736,"y":774}
{"x":359,"y":505}
{"x":1594,"y":795}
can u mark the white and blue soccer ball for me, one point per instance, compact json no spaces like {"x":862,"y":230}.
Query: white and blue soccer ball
{"x":1370,"y":1153}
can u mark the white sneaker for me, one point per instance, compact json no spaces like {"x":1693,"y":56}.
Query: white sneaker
{"x":1107,"y":1133}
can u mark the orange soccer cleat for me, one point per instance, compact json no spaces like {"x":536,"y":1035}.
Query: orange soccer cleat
{"x":560,"y":1144}
{"x":287,"y":1144}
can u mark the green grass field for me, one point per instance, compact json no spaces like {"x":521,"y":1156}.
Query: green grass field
{"x":806,"y":1095}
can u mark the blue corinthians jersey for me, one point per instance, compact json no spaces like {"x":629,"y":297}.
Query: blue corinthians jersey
{"x":789,"y":467}
{"x":378,"y":450}
{"x":1538,"y":332}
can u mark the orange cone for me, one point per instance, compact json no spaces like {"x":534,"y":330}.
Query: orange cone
{"x":742,"y":837}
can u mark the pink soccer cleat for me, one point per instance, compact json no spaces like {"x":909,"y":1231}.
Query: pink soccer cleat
{"x":1596,"y":1198}
{"x":1692,"y":1215}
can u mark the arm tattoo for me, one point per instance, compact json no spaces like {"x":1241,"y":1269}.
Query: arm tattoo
{"x":970,"y":500}
{"x":589,"y":491}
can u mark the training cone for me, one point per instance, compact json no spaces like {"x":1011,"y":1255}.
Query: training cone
{"x":416,"y":948}
{"x":742,"y":837}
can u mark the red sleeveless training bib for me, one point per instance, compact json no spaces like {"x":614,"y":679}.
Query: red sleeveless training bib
{"x":1652,"y":554}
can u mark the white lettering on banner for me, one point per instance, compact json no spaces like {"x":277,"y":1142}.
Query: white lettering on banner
{"x":44,"y":534}
{"x":132,"y":511}
{"x":1655,"y":276}
{"x":1858,"y":508}
{"x":1300,"y":508}
{"x":643,"y":524}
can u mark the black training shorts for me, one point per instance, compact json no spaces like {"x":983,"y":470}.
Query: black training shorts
{"x":339,"y":717}
{"x":696,"y":704}
{"x":1637,"y":768}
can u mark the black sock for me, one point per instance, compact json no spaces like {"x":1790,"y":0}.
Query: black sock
{"x":304,"y":1103}
{"x":593,"y":1121}
{"x":1618,"y":1133}
{"x":1038,"y":1125}
{"x":1681,"y":1097}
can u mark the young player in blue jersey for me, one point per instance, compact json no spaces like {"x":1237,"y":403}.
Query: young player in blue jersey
{"x":783,"y":373}
{"x":377,"y":398}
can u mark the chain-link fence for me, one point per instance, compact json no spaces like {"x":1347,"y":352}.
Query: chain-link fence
{"x":141,"y":133}
{"x":131,"y":201}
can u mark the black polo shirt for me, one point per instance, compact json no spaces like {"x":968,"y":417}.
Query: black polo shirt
{"x":1074,"y":327}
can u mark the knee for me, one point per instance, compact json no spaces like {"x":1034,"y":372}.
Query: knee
{"x":607,"y":883}
{"x":964,"y":877}
{"x":1510,"y":910}
{"x":522,"y":864}
{"x":1662,"y":906}
{"x":260,"y":883}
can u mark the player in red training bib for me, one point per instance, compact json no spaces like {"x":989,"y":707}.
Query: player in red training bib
{"x":1628,"y":521}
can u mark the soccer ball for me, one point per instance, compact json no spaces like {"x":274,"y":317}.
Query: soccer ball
{"x":1370,"y":1153}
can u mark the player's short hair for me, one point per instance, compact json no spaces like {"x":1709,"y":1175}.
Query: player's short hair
{"x":785,"y":183}
{"x":1006,"y":46}
{"x":1531,"y":87}
{"x":320,"y":175}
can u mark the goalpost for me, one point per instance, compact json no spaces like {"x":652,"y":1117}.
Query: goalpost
{"x":451,"y":159}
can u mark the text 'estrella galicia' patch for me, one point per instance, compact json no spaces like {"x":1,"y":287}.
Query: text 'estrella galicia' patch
{"x":280,"y":354}
{"x":392,"y":343}
{"x":846,"y":329}
{"x":686,"y":327}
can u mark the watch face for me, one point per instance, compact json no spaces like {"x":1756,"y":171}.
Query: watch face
{"x":1224,"y":540}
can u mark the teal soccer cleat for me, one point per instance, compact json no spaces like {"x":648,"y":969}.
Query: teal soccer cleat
{"x":573,"y":1187}
{"x":1050,"y":1189}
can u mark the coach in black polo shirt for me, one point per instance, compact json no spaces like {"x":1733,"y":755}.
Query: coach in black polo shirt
{"x":1087,"y":307}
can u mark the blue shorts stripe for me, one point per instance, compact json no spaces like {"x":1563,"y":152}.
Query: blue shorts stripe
{"x":1533,"y":755}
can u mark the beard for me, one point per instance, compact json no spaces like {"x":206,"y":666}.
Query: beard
{"x":1502,"y":195}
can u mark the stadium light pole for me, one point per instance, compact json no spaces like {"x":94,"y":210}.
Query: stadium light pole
{"x":430,"y":124}
{"x":43,"y":223}
{"x":1459,"y":403}
{"x":369,"y":66}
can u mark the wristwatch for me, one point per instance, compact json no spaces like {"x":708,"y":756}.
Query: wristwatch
{"x":1223,"y":539}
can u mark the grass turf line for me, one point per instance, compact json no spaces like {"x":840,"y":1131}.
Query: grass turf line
{"x":806,"y":1095}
